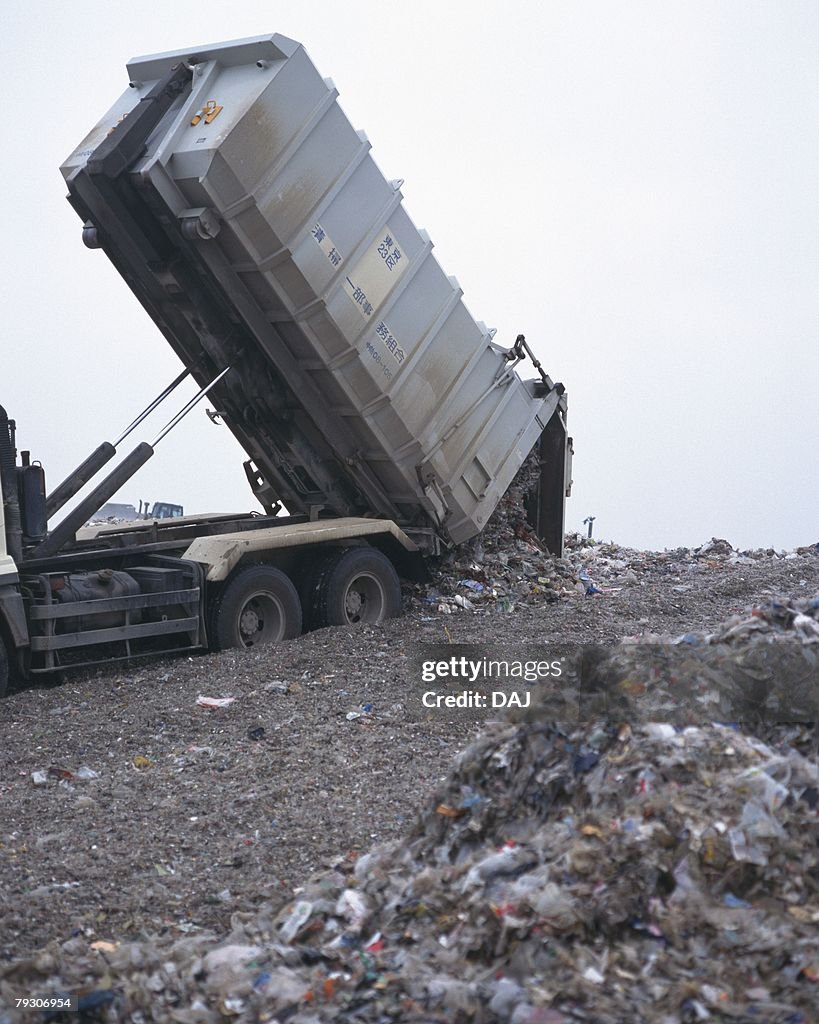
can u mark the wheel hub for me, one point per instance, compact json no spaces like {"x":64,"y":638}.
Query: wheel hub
{"x":354,"y":603}
{"x":249,"y":623}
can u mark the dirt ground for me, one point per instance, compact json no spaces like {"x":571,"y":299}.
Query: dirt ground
{"x":193,"y":814}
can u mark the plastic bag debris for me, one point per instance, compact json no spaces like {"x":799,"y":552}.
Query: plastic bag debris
{"x":352,"y":906}
{"x":296,"y":920}
{"x":474,"y":585}
{"x":230,"y":957}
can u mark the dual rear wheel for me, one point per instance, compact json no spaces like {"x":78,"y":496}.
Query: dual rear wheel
{"x":260,"y":604}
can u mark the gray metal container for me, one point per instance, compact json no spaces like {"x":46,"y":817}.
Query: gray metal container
{"x":259,"y":233}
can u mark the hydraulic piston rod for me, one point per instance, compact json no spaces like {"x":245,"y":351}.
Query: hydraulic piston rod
{"x":67,"y":528}
{"x":88,"y":469}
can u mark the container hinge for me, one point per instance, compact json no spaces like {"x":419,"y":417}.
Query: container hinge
{"x":434,"y":494}
{"x":199,"y":222}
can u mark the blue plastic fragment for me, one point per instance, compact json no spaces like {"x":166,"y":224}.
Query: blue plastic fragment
{"x":585,"y":762}
{"x":734,"y":902}
{"x":471,"y":798}
{"x":472,"y":585}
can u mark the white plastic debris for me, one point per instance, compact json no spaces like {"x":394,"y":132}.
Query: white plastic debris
{"x":214,"y":702}
{"x":296,"y":920}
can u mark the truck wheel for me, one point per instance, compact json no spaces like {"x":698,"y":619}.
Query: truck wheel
{"x":356,"y":585}
{"x":258,"y":606}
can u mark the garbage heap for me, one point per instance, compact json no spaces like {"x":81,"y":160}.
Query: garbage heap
{"x":506,"y":567}
{"x":506,"y":564}
{"x":774,"y":622}
{"x":626,"y":869}
{"x":760,"y":667}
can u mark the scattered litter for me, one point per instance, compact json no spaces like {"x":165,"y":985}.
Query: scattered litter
{"x":596,"y":869}
{"x":474,"y":585}
{"x":657,"y":862}
{"x":506,"y":567}
{"x":366,"y":712}
{"x":295,"y":920}
{"x":214,"y":702}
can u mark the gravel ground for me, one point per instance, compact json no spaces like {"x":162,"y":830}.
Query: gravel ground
{"x":189,"y":820}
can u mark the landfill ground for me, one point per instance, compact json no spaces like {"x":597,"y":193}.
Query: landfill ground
{"x":155,"y":854}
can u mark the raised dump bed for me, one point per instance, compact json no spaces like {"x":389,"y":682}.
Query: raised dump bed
{"x":249,"y":218}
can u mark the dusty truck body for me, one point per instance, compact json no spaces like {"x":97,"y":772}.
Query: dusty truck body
{"x":250,"y":220}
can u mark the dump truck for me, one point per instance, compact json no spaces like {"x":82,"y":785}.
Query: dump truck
{"x":381,"y":422}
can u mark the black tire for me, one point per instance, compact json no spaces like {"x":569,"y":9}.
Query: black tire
{"x":258,"y":605}
{"x":355,"y":585}
{"x":4,"y":668}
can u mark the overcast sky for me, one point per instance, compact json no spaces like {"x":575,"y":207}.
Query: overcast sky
{"x":630,"y":184}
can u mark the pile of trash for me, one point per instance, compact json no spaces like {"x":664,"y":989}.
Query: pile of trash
{"x":480,"y":579}
{"x":774,"y":622}
{"x":614,"y":872}
{"x":760,"y":667}
{"x":506,"y":566}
